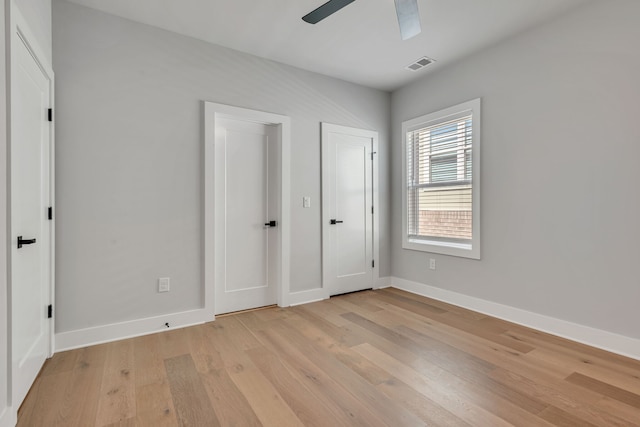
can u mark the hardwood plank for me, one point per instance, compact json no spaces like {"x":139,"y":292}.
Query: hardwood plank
{"x":577,"y":401}
{"x":621,"y":378}
{"x":324,"y":387}
{"x":447,"y":356}
{"x":339,"y":350}
{"x":129,"y":422}
{"x":266,"y":402}
{"x":478,"y":330}
{"x":605,"y":389}
{"x":437,"y":391}
{"x":454,"y":361}
{"x":237,"y":334}
{"x":362,"y":299}
{"x":560,"y":418}
{"x":47,"y":402}
{"x":587,"y":353}
{"x":192,"y":405}
{"x":117,"y":393}
{"x":148,"y":361}
{"x":229,"y":403}
{"x":490,"y":352}
{"x":426,"y":409}
{"x":460,"y":311}
{"x":84,"y":385}
{"x":154,"y":405}
{"x":311,"y":412}
{"x":172,"y":343}
{"x":60,"y":362}
{"x":420,"y":307}
{"x":475,"y":371}
{"x":326,"y":310}
{"x":591,"y":360}
{"x":387,"y":410}
{"x":622,"y":410}
{"x":344,"y":333}
{"x":27,"y":411}
{"x":203,"y":352}
{"x":225,"y":344}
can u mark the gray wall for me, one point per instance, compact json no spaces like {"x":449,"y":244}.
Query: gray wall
{"x":128,"y":173}
{"x":560,"y":149}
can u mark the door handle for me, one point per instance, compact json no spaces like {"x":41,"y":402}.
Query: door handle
{"x":271,"y":224}
{"x":22,"y":241}
{"x":335,"y":221}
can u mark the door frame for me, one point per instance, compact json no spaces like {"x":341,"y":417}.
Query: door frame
{"x":213,"y":112}
{"x":20,"y":32}
{"x":326,"y":129}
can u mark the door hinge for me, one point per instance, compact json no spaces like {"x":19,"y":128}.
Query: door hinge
{"x":50,"y":114}
{"x":373,"y":263}
{"x":50,"y":213}
{"x":371,"y":209}
{"x":49,"y":311}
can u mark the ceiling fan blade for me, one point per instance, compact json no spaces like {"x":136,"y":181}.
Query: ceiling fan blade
{"x":329,"y":8}
{"x":408,"y":18}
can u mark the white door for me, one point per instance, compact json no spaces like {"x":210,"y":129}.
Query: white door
{"x":30,"y":227}
{"x":247,"y":215}
{"x":348,"y":208}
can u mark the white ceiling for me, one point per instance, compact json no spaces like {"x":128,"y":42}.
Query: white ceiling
{"x":360,"y":43}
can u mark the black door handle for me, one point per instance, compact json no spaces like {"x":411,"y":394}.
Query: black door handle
{"x":271,"y":224}
{"x":22,"y":241}
{"x":335,"y":221}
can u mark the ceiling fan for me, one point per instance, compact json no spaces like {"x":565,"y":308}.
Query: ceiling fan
{"x":407,"y":11}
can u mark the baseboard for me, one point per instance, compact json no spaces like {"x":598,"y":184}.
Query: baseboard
{"x":305,"y":297}
{"x":382,"y":282}
{"x":135,"y":328}
{"x":8,"y":417}
{"x":604,"y":340}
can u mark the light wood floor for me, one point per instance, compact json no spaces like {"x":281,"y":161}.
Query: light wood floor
{"x":373,"y":358}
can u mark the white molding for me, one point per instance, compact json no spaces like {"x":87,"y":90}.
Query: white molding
{"x":604,"y":340}
{"x":375,"y":150}
{"x":305,"y":297}
{"x":212,"y":112}
{"x":382,"y":282}
{"x":8,"y":417}
{"x":134,"y":328}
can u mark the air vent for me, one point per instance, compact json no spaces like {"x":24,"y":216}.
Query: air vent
{"x":420,"y":63}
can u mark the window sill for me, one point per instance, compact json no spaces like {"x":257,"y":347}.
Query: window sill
{"x":463,"y":250}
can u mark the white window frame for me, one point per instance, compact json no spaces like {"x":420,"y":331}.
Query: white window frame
{"x":466,"y":250}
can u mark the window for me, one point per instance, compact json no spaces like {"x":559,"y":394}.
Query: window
{"x":441,"y":197}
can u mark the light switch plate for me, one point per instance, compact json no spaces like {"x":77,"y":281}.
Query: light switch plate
{"x":306,"y":202}
{"x":163,"y":284}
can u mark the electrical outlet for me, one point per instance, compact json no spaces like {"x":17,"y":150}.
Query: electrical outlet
{"x":163,"y":284}
{"x":306,"y":202}
{"x":432,"y":264}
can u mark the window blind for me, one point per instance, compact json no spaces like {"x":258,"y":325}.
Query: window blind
{"x":439,"y":180}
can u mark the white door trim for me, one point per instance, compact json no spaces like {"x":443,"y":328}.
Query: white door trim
{"x":212,"y":112}
{"x":327,"y":128}
{"x":20,"y":32}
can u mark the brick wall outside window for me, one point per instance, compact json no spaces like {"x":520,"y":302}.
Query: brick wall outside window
{"x":449,"y":224}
